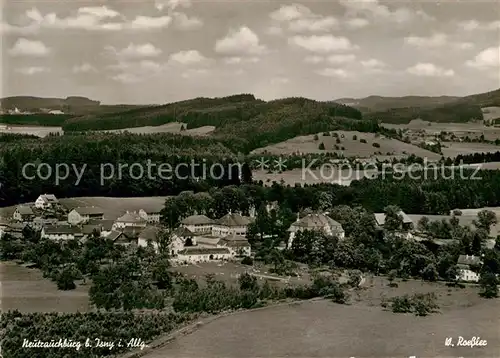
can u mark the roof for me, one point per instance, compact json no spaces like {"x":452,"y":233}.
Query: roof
{"x":49,"y":198}
{"x":316,"y":221}
{"x":197,"y":220}
{"x":24,"y":210}
{"x":54,"y":230}
{"x":131,"y":217}
{"x":149,"y":233}
{"x":468,"y":260}
{"x":132,"y":231}
{"x":204,"y":251}
{"x":89,"y":229}
{"x":105,"y":225}
{"x":234,"y":241}
{"x":233,"y":219}
{"x":183,"y":232}
{"x":380,"y":218}
{"x":89,"y":210}
{"x":113,"y":235}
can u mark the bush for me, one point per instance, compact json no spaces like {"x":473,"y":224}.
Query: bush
{"x":321,"y":146}
{"x":376,"y":145}
{"x":316,"y":137}
{"x":338,"y":141}
{"x":355,"y":137}
{"x":326,"y":134}
{"x":420,"y":303}
{"x":247,"y":260}
{"x":362,"y":140}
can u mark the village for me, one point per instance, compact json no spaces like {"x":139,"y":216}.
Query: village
{"x":198,"y":238}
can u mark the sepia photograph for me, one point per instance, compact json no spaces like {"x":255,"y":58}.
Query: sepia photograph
{"x":250,"y":179}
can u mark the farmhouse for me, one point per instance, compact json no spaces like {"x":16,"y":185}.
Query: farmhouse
{"x":231,"y":223}
{"x":15,"y":230}
{"x":149,"y":234}
{"x":465,"y":263}
{"x":151,"y":216}
{"x":182,"y":237}
{"x":82,"y":215}
{"x":203,"y":254}
{"x":103,"y":227}
{"x":39,"y":222}
{"x":46,"y":201}
{"x":23,"y":213}
{"x":119,"y":238}
{"x":129,"y":219}
{"x":316,"y":222}
{"x":198,"y":224}
{"x":59,"y":233}
{"x":407,"y":221}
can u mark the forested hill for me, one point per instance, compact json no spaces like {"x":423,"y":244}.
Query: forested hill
{"x":445,"y":109}
{"x":242,"y":122}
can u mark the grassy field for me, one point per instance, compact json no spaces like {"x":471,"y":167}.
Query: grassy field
{"x":26,"y":290}
{"x":174,"y":127}
{"x":291,"y":177}
{"x":38,"y":131}
{"x":453,"y":149}
{"x":490,"y":113}
{"x":362,"y":329}
{"x":352,"y":148}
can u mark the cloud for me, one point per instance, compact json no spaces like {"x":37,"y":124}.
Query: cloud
{"x":183,"y":22}
{"x":321,"y":43}
{"x":195,"y":73}
{"x":488,"y":58}
{"x":380,"y":12}
{"x":373,"y":64}
{"x":91,"y":19}
{"x":314,"y":59}
{"x":240,"y":42}
{"x":473,"y":25}
{"x":235,"y":60}
{"x":135,"y":51}
{"x":172,"y":4}
{"x":357,"y":23}
{"x":341,"y":59}
{"x":28,"y":71}
{"x":25,"y":47}
{"x":429,"y":70}
{"x":84,"y":68}
{"x":280,"y":80}
{"x":333,"y":72}
{"x":299,"y":18}
{"x":188,"y":57}
{"x":436,"y":40}
{"x":132,"y":72}
{"x":127,"y":78}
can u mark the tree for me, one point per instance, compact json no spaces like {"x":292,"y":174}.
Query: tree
{"x":489,"y":285}
{"x":321,"y":146}
{"x":316,"y":137}
{"x":246,"y":174}
{"x":248,"y":282}
{"x":65,"y":279}
{"x":485,"y":219}
{"x":423,"y":224}
{"x":430,"y":273}
{"x":393,"y":219}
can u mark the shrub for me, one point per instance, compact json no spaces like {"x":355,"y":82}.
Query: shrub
{"x":362,"y":140}
{"x":355,"y":137}
{"x":316,"y":137}
{"x":420,"y":303}
{"x":376,"y":145}
{"x":326,"y":134}
{"x":338,"y":141}
{"x":321,"y":146}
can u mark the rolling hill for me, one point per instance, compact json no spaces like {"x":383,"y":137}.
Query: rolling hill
{"x":444,"y":109}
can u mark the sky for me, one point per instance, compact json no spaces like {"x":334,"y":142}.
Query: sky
{"x":159,"y":51}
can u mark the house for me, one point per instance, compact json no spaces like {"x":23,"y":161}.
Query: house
{"x":149,"y":234}
{"x":202,"y":254}
{"x":102,"y":227}
{"x":182,"y":237}
{"x":119,"y":238}
{"x":231,"y":223}
{"x":407,"y":221}
{"x":237,"y":245}
{"x":151,"y":216}
{"x":61,"y":233}
{"x":39,"y":222}
{"x":465,"y":263}
{"x":198,"y":224}
{"x":23,"y":213}
{"x":15,"y":230}
{"x":46,"y":201}
{"x":129,"y":219}
{"x":82,"y":215}
{"x":316,"y":222}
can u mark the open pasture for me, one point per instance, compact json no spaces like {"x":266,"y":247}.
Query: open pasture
{"x":352,"y":147}
{"x":174,"y":127}
{"x":38,"y":131}
{"x":453,"y":149}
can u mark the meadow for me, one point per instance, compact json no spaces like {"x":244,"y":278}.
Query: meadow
{"x":39,"y":131}
{"x":174,"y":127}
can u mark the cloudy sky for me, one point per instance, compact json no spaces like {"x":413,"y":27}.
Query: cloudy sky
{"x":157,"y":51}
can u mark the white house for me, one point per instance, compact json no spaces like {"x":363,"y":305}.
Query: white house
{"x":202,"y":254}
{"x":316,"y":222}
{"x":23,"y":213}
{"x":46,"y":201}
{"x":129,"y":219}
{"x":151,"y":216}
{"x":181,"y":238}
{"x":61,"y":233}
{"x":464,"y":264}
{"x":82,"y":215}
{"x":198,"y":224}
{"x":231,"y":223}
